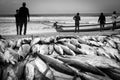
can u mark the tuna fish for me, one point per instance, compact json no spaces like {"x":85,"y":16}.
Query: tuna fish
{"x":75,"y":42}
{"x":67,"y":51}
{"x":112,"y":73}
{"x":98,"y":76}
{"x":18,"y":43}
{"x":9,"y":58}
{"x":81,"y":66}
{"x":88,"y":75}
{"x":115,"y":39}
{"x":111,"y":43}
{"x":50,"y":49}
{"x":43,"y":68}
{"x":29,"y":71}
{"x":101,"y":38}
{"x":13,"y":72}
{"x":93,"y":43}
{"x":57,"y":65}
{"x":35,"y":48}
{"x":102,"y":52}
{"x":72,"y":47}
{"x":113,"y":53}
{"x":96,"y":61}
{"x":13,"y":53}
{"x":86,"y":49}
{"x":39,"y":76}
{"x":54,"y":54}
{"x":65,"y":37}
{"x":48,"y":40}
{"x":24,"y":50}
{"x":3,"y":45}
{"x":58,"y":49}
{"x":35,"y":41}
{"x":44,"y":49}
{"x":12,"y":43}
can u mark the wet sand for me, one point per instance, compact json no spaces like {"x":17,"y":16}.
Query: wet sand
{"x":45,"y":34}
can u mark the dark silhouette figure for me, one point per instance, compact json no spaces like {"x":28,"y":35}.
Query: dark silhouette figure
{"x":102,"y":21}
{"x":77,"y":19}
{"x":55,"y":25}
{"x":114,"y":17}
{"x":24,"y":17}
{"x":17,"y":20}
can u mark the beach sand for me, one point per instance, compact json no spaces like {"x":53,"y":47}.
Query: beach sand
{"x":8,"y":30}
{"x":48,"y":34}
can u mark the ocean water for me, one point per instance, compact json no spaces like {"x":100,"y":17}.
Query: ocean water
{"x":59,"y":19}
{"x":44,"y":24}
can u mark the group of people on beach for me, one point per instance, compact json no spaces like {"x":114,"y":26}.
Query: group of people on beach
{"x":101,"y":21}
{"x":22,"y":17}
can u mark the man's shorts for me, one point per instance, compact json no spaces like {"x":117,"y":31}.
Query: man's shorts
{"x":77,"y":24}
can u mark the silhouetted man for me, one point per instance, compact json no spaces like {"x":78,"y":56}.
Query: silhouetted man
{"x":17,"y":20}
{"x":24,"y":17}
{"x":102,"y":21}
{"x":55,"y":25}
{"x":77,"y":19}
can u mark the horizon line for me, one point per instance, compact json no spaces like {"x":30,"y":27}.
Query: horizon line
{"x":61,"y":14}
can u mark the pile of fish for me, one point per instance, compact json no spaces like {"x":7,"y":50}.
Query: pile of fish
{"x":41,"y":58}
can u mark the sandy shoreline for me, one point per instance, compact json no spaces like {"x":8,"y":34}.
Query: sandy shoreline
{"x":8,"y":30}
{"x":48,"y":34}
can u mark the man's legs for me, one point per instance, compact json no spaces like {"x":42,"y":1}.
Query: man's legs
{"x":25,"y":28}
{"x":19,"y":30}
{"x":21,"y":25}
{"x":114,"y":26}
{"x":17,"y":27}
{"x":75,"y":28}
{"x":103,"y":26}
{"x":100,"y":27}
{"x":78,"y":27}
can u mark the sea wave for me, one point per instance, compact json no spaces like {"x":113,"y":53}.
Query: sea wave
{"x":59,"y":19}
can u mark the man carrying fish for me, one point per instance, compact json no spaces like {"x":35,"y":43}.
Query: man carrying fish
{"x":77,"y":19}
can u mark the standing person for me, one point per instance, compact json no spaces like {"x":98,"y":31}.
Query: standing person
{"x":77,"y":19}
{"x":24,"y":17}
{"x":55,"y":25}
{"x":17,"y":20}
{"x":114,"y":17}
{"x":102,"y":21}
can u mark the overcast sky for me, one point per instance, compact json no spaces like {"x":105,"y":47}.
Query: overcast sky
{"x":61,"y":6}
